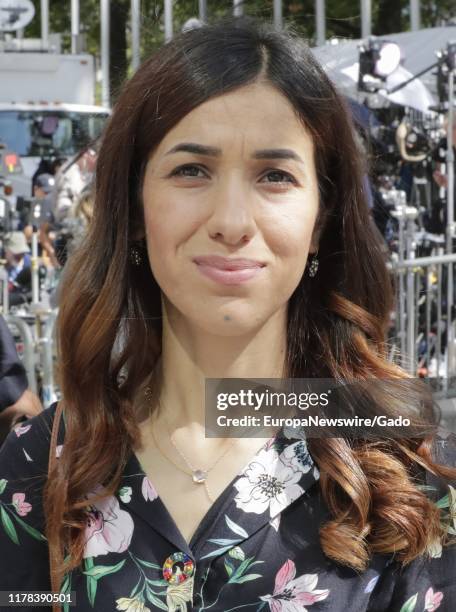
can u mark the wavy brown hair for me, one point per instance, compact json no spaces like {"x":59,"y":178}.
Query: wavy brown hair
{"x":337,"y":321}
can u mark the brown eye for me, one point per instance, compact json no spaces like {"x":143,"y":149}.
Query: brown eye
{"x":188,"y":170}
{"x":279,"y":177}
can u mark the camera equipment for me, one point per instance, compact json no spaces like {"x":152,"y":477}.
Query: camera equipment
{"x":377,"y":60}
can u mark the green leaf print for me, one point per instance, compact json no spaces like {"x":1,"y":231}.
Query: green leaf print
{"x":246,"y":578}
{"x":246,"y":564}
{"x":237,"y":553}
{"x":137,"y":588}
{"x":98,"y":571}
{"x":2,"y":485}
{"x":155,"y":600}
{"x":91,"y":582}
{"x":8,"y":525}
{"x":148,"y":564}
{"x":443,"y":502}
{"x":158,"y":583}
{"x":223,"y":541}
{"x":410,"y":604}
{"x":229,"y":567}
{"x":66,"y":588}
{"x":65,"y":585}
{"x":219,"y":551}
{"x":31,"y":530}
{"x":235,"y":527}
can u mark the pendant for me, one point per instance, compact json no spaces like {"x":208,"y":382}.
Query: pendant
{"x":199,"y":476}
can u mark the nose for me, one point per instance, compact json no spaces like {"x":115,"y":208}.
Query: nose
{"x":232,"y":221}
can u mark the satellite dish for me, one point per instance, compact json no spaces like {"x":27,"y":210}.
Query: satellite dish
{"x":15,"y":14}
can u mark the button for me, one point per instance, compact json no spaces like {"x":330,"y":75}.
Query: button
{"x":177,"y":568}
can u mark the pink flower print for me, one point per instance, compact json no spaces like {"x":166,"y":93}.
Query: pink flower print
{"x":292,"y":594}
{"x":108,"y":528}
{"x":432,"y":600}
{"x":22,"y":507}
{"x":21,"y":429}
{"x":148,"y":490}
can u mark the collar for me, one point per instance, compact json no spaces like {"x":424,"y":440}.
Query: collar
{"x":281,"y":472}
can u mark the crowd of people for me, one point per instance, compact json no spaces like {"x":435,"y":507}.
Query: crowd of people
{"x":58,"y":212}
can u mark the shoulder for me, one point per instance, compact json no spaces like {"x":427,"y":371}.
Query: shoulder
{"x":24,"y":456}
{"x":25,"y":451}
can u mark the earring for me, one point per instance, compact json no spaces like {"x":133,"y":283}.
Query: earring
{"x":135,"y":256}
{"x":313,"y":266}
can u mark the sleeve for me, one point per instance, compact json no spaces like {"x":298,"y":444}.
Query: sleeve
{"x":429,"y":582}
{"x":13,"y":379}
{"x":24,"y":559}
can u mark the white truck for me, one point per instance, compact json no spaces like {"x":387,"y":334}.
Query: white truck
{"x":47,"y":107}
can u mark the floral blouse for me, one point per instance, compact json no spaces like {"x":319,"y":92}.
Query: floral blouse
{"x":257,"y":548}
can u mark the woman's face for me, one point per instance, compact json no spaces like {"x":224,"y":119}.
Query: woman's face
{"x":235,"y":179}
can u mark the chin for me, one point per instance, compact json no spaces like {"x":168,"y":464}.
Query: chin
{"x":228,"y":320}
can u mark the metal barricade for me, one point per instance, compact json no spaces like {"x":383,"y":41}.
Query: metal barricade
{"x":49,"y":390}
{"x":4,"y":290}
{"x":28,"y":355}
{"x":36,"y":331}
{"x":424,"y":330}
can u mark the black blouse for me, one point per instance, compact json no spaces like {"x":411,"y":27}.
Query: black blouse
{"x":257,"y":548}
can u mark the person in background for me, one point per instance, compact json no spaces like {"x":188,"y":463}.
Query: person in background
{"x":17,"y":253}
{"x":43,"y":216}
{"x":17,"y":401}
{"x":70,"y":181}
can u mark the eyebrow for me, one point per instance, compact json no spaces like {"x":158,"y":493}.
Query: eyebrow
{"x":198,"y":149}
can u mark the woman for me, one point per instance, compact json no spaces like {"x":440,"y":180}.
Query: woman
{"x":230,"y":239}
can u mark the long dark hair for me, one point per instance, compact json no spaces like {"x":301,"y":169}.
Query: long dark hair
{"x":337,"y":321}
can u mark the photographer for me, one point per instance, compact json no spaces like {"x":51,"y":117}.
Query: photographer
{"x":44,"y":216}
{"x":17,"y":253}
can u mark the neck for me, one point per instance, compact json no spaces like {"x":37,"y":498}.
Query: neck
{"x":191,"y":354}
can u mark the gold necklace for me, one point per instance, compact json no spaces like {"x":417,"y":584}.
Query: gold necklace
{"x":199,"y":476}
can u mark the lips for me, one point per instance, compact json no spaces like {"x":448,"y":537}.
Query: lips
{"x":223,"y":263}
{"x":227,"y":271}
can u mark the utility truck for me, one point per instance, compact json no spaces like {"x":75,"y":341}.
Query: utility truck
{"x":47,"y":106}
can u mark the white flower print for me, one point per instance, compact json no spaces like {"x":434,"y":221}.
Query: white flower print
{"x":21,"y":429}
{"x":177,"y":595}
{"x":131,"y":604}
{"x":125,"y":494}
{"x":297,"y":457}
{"x":108,"y":529}
{"x":27,"y":456}
{"x":293,"y":594}
{"x":267,"y":483}
{"x":435,"y":549}
{"x":275,"y":522}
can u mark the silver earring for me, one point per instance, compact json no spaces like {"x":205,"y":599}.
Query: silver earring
{"x":313,"y":266}
{"x":135,"y":256}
